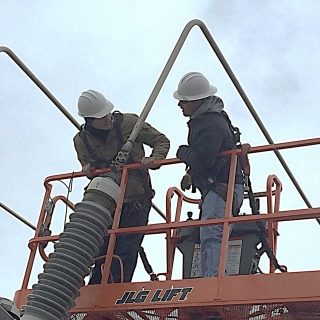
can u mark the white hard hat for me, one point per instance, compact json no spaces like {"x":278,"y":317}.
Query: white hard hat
{"x":194,"y":86}
{"x":93,"y":104}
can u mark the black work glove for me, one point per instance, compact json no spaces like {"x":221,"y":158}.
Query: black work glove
{"x":182,"y":152}
{"x":186,"y":182}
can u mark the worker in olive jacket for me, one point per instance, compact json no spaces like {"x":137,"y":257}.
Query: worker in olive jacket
{"x":97,"y":144}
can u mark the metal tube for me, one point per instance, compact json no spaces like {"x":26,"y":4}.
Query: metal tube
{"x":160,"y":82}
{"x":158,"y":210}
{"x":40,"y":85}
{"x":16,"y":215}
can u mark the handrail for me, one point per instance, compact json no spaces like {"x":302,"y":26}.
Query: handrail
{"x":47,"y":221}
{"x":272,"y":229}
{"x":171,"y":234}
{"x":272,"y":181}
{"x":276,"y":215}
{"x":257,"y":149}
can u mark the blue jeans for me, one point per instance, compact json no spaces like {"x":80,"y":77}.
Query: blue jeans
{"x":213,"y":207}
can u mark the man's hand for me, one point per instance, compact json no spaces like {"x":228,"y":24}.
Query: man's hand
{"x":186,"y":182}
{"x":148,"y":162}
{"x":88,"y":170}
{"x":182,"y":152}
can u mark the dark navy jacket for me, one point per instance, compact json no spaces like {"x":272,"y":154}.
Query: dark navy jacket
{"x":209,"y":134}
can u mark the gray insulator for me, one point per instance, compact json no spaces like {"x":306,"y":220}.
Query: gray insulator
{"x":63,"y":275}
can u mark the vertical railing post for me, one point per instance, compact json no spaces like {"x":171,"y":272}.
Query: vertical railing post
{"x":227,"y":215}
{"x":115,"y":225}
{"x":32,"y":254}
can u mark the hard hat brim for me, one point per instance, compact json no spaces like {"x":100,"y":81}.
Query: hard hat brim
{"x":212,"y":91}
{"x":98,"y":115}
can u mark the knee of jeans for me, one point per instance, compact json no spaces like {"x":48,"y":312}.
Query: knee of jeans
{"x":213,"y":208}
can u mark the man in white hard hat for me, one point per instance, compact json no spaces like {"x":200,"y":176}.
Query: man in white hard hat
{"x":97,"y":144}
{"x":210,"y":132}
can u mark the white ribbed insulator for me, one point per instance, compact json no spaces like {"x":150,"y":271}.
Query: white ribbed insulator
{"x":59,"y":284}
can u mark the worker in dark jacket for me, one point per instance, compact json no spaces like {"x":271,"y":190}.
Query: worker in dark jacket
{"x":209,"y":134}
{"x":97,"y":144}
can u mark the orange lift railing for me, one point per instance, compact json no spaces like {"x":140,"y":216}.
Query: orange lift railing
{"x":289,"y":295}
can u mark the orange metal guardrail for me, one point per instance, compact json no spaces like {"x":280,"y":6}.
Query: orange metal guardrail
{"x":168,"y":225}
{"x":272,"y":181}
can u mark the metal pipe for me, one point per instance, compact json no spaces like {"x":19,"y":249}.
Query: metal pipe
{"x":158,"y":210}
{"x":40,"y":85}
{"x":163,"y":76}
{"x":16,"y":215}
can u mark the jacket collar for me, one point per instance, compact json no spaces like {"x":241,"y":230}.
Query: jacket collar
{"x":212,"y":104}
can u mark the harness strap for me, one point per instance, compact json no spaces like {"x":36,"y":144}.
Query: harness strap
{"x":235,"y":130}
{"x":245,"y":164}
{"x":222,"y":161}
{"x":146,"y":264}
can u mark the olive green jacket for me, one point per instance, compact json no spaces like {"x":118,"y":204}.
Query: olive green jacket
{"x":105,"y":151}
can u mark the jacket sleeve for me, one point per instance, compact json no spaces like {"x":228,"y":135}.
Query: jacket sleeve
{"x":159,"y":143}
{"x":151,"y":137}
{"x":81,"y":150}
{"x":202,"y":156}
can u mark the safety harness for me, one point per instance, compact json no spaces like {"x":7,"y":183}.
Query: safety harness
{"x":219,"y":188}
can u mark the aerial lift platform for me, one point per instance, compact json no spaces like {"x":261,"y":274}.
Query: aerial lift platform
{"x":251,"y":296}
{"x":273,"y":295}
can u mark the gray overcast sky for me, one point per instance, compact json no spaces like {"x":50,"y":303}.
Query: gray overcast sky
{"x":120,"y":48}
